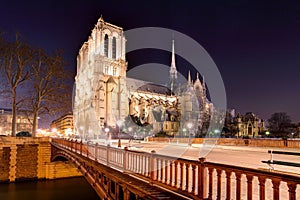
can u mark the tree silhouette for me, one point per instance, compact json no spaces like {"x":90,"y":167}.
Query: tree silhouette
{"x":279,"y":122}
{"x":49,"y":92}
{"x":15,"y":59}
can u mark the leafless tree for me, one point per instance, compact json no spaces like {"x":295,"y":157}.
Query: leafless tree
{"x":50,"y":92}
{"x":15,"y":57}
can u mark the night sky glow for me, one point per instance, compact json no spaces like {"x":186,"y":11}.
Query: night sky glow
{"x":255,"y":44}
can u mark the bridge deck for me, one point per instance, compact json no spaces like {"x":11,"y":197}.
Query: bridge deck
{"x":142,"y":189}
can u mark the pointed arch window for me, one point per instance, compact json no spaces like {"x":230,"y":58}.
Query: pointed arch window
{"x":106,"y":45}
{"x":114,"y":48}
{"x":114,"y":71}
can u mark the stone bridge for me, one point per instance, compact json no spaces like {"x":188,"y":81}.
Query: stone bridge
{"x":125,"y":174}
{"x":117,"y":173}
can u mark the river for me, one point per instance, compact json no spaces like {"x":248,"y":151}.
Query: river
{"x":60,"y":189}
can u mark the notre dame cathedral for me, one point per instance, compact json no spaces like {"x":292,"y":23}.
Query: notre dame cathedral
{"x":105,"y":98}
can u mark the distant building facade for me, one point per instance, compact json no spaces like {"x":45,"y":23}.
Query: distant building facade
{"x":248,"y":125}
{"x":64,"y":124}
{"x":23,"y":122}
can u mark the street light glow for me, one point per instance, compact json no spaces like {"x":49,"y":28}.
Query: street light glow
{"x":189,"y":125}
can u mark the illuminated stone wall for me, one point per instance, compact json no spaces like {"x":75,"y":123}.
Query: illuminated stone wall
{"x":100,"y":96}
{"x":24,"y":159}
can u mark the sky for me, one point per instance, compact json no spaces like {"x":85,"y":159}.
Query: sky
{"x":255,"y":44}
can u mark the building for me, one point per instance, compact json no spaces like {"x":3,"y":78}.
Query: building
{"x":104,"y":95}
{"x":248,"y":125}
{"x":23,"y":122}
{"x":63,"y":125}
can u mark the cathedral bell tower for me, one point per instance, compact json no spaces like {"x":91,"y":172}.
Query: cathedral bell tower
{"x":101,"y":78}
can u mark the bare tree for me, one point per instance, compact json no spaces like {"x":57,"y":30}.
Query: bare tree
{"x":279,"y":122}
{"x":15,"y":58}
{"x":50,"y":92}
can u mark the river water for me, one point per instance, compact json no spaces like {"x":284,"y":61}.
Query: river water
{"x":60,"y":189}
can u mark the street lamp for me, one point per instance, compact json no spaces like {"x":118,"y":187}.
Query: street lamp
{"x":119,"y":123}
{"x":189,"y":125}
{"x":267,"y":133}
{"x":106,"y":131}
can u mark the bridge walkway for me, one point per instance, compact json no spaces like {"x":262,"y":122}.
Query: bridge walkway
{"x":133,"y":186}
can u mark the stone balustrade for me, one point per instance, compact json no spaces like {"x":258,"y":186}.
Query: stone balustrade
{"x":195,"y":179}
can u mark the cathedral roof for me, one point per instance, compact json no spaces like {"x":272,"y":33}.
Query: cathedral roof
{"x":155,"y":88}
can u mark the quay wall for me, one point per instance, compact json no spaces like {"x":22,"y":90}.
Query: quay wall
{"x":26,"y":158}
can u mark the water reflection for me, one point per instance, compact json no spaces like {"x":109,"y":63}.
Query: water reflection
{"x":61,"y":189}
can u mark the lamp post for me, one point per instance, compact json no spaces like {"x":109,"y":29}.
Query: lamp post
{"x":119,"y":123}
{"x":190,"y":125}
{"x":106,"y":131}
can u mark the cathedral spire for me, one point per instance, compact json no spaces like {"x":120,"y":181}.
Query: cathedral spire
{"x":173,"y":71}
{"x":189,"y":79}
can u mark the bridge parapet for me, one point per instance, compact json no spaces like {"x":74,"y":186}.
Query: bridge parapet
{"x":194,"y":179}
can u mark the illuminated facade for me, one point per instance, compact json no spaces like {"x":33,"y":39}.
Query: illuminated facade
{"x":249,"y":125}
{"x":23,"y":122}
{"x":104,"y":94}
{"x":64,"y":124}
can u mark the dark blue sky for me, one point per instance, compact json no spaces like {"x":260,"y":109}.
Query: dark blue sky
{"x":255,"y":44}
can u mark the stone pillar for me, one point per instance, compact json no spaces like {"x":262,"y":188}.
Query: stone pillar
{"x":44,"y":156}
{"x":13,"y":163}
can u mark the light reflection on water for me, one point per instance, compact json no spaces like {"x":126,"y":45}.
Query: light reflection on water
{"x":60,"y":189}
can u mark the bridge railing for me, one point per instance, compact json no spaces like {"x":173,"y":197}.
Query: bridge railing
{"x":195,"y":178}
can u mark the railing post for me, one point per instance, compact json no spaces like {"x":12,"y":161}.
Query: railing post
{"x":96,"y":151}
{"x":107,"y":154}
{"x":228,"y":185}
{"x":249,"y":186}
{"x":210,"y":184}
{"x":181,"y":176}
{"x":219,"y":173}
{"x":292,"y":190}
{"x":276,"y":183}
{"x":187,"y":166}
{"x":176,"y":174}
{"x":262,"y":182}
{"x":152,"y":167}
{"x":201,"y":178}
{"x":171,"y":173}
{"x":81,"y":147}
{"x":193,"y":179}
{"x":125,"y":159}
{"x":166,"y":171}
{"x":238,"y":176}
